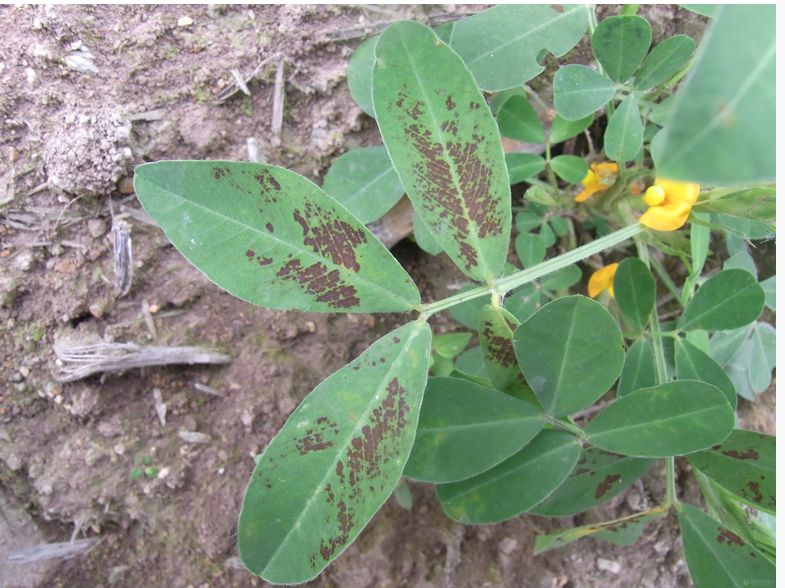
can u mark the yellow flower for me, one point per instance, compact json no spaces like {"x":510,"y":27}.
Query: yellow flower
{"x":602,"y":279}
{"x":670,"y":203}
{"x":600,"y":177}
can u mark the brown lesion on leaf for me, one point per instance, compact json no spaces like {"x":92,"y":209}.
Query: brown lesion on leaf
{"x":219,"y":172}
{"x":269,"y":227}
{"x":753,"y":492}
{"x":749,"y":453}
{"x":346,"y":521}
{"x":728,"y":537}
{"x":606,"y":484}
{"x":449,"y":103}
{"x":260,"y":259}
{"x":460,"y":200}
{"x":317,"y":438}
{"x":329,"y":236}
{"x":579,"y":472}
{"x":498,"y":347}
{"x":324,"y":286}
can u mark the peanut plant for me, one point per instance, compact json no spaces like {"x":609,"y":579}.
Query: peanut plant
{"x":684,"y":160}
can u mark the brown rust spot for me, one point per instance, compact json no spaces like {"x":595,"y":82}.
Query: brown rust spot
{"x":345,"y":518}
{"x":219,"y":172}
{"x":325,"y":286}
{"x":264,"y":260}
{"x":728,"y":537}
{"x":250,"y":254}
{"x":750,"y":453}
{"x":449,"y":103}
{"x":329,"y":236}
{"x":269,"y":227}
{"x":499,"y":348}
{"x":754,"y":492}
{"x":317,"y":438}
{"x":267,"y":181}
{"x":606,"y":484}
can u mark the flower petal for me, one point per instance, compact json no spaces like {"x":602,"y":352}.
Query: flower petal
{"x":667,"y":217}
{"x":602,"y":279}
{"x":685,"y":192}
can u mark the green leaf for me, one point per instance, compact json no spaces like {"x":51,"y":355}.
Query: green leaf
{"x":716,"y":556}
{"x":723,"y":345}
{"x":635,"y":291}
{"x":472,"y":363}
{"x":425,"y":240}
{"x":518,"y":120}
{"x":563,"y":129}
{"x":522,"y":166}
{"x":744,"y":464}
{"x":336,"y":460}
{"x":441,"y":366}
{"x":754,"y":205}
{"x":620,"y":43}
{"x":530,"y":249}
{"x":671,"y":419}
{"x":707,"y":10}
{"x":665,"y":61}
{"x":444,"y":31}
{"x":445,"y":146}
{"x":547,"y":235}
{"x":515,"y":485}
{"x":496,"y":330}
{"x":762,"y":357}
{"x":598,"y":476}
{"x":523,"y":302}
{"x":722,"y":128}
{"x":700,"y":238}
{"x":769,"y":286}
{"x":624,"y":135}
{"x":563,"y":278}
{"x":501,"y":45}
{"x":639,"y":369}
{"x":619,"y":532}
{"x":560,"y":225}
{"x":450,"y":345}
{"x":525,"y":221}
{"x":578,"y":91}
{"x":359,"y":74}
{"x":694,"y":364}
{"x":570,"y":168}
{"x":728,"y":300}
{"x":570,"y":352}
{"x":364,"y":181}
{"x":466,"y":429}
{"x":468,"y":313}
{"x":743,"y":261}
{"x":272,"y":237}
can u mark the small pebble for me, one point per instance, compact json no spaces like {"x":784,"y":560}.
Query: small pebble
{"x":96,"y":227}
{"x":185,"y":21}
{"x":508,"y":545}
{"x":126,"y":186}
{"x":608,"y":565}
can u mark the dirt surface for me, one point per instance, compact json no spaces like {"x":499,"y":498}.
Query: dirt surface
{"x":87,"y":93}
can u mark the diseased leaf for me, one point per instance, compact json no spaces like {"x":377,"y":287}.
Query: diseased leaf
{"x":563,"y":129}
{"x":635,"y":291}
{"x":694,"y":364}
{"x":598,"y":476}
{"x":744,"y":464}
{"x":466,"y":429}
{"x":518,"y":120}
{"x":336,"y":460}
{"x":570,"y":352}
{"x":722,"y":128}
{"x":639,"y":370}
{"x":716,"y":556}
{"x":619,"y":532}
{"x":671,"y":419}
{"x":425,"y":240}
{"x":530,"y":249}
{"x":501,"y":45}
{"x":359,"y":74}
{"x":272,"y":237}
{"x":728,"y":300}
{"x":515,"y":485}
{"x":496,"y":329}
{"x":570,"y":168}
{"x":620,"y":43}
{"x":522,"y":166}
{"x":664,"y":61}
{"x":445,"y":146}
{"x":364,"y":181}
{"x":579,"y":91}
{"x":624,"y":135}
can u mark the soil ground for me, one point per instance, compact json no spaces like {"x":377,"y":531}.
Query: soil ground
{"x":87,"y":92}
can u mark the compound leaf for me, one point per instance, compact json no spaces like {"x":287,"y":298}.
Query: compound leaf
{"x":445,"y":145}
{"x":501,"y":45}
{"x":665,"y":61}
{"x":671,"y":419}
{"x":496,"y":329}
{"x":744,"y":464}
{"x":624,"y":135}
{"x":515,"y":485}
{"x":365,"y":182}
{"x":570,"y":352}
{"x":466,"y":429}
{"x":336,"y":460}
{"x":271,"y":237}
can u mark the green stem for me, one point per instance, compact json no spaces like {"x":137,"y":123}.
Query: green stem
{"x":566,"y":425}
{"x":551,"y":174}
{"x":670,"y":482}
{"x":504,"y":285}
